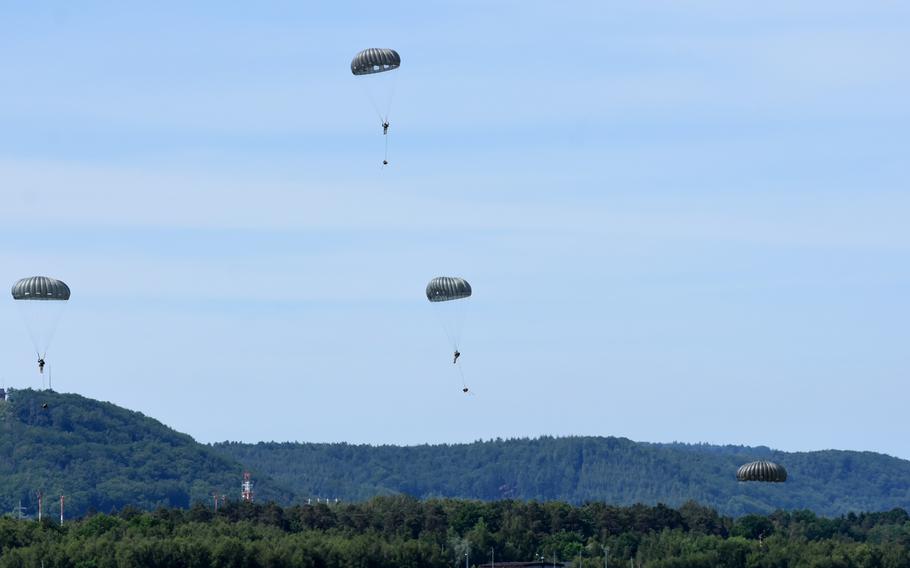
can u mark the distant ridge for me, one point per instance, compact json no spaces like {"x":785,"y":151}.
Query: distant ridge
{"x":579,"y":469}
{"x":103,"y":457}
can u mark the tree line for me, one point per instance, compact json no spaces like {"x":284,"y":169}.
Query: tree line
{"x":581,"y":469}
{"x":401,"y":531}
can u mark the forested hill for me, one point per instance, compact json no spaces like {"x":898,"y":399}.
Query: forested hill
{"x":580,"y":469}
{"x":103,"y":457}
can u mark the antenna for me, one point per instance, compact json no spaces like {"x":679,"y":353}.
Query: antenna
{"x":40,"y":505}
{"x":246,"y":493}
{"x":61,"y":509}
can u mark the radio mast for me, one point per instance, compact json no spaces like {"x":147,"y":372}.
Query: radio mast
{"x":246,"y":493}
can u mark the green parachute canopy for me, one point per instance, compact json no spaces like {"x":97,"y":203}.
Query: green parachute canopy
{"x":762,"y":470}
{"x":447,"y":288}
{"x":375,"y":60}
{"x":40,"y":288}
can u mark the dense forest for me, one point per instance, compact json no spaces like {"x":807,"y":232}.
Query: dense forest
{"x":581,"y":469}
{"x":403,"y":532}
{"x":103,"y":457}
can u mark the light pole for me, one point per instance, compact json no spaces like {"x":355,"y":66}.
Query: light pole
{"x":606,"y":555}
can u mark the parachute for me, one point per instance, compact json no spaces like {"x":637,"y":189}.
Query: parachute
{"x":372,"y":67}
{"x":446,"y":288}
{"x":447,"y":294}
{"x":41,"y":301}
{"x":761,"y":470}
{"x":40,"y":288}
{"x":375,"y":60}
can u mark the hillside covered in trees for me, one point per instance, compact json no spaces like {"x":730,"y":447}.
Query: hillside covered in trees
{"x":581,"y":469}
{"x":103,"y":457}
{"x":402,"y":532}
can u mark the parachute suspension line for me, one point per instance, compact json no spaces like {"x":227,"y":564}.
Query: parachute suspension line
{"x":53,"y":331}
{"x":383,"y":85}
{"x":372,"y":99}
{"x":451,"y":317}
{"x":35,"y":337}
{"x":41,"y":321}
{"x":460,"y":317}
{"x":464,"y":383}
{"x":450,"y":333}
{"x":383,"y":118}
{"x":454,"y":323}
{"x":378,"y":107}
{"x":391,"y":99}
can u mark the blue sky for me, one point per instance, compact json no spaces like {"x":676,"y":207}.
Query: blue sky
{"x":682,"y":221}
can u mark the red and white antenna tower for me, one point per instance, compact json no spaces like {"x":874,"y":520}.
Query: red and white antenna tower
{"x":246,"y":493}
